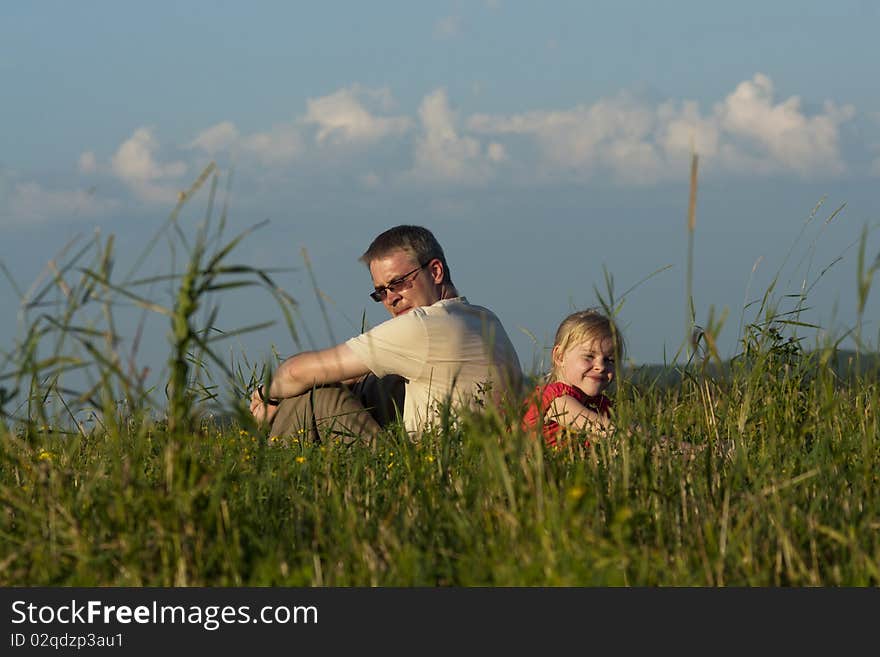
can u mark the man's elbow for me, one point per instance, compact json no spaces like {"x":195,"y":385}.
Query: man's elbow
{"x":294,"y":376}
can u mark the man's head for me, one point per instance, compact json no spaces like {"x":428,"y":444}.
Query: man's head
{"x":408,"y":268}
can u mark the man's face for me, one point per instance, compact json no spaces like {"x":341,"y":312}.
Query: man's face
{"x":403,"y":284}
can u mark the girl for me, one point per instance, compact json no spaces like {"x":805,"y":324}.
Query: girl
{"x":584,"y":355}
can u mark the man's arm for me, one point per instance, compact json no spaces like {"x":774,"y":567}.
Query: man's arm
{"x":301,"y":372}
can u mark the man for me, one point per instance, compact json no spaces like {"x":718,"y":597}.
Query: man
{"x":442,"y":348}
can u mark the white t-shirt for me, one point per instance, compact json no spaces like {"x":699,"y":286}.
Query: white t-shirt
{"x":449,"y":351}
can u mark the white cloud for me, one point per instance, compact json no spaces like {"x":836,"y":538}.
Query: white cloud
{"x":348,"y":117}
{"x":87,"y":163}
{"x":682,"y":130}
{"x":342,"y":117}
{"x":781,"y":132}
{"x":28,"y":202}
{"x":610,"y":135}
{"x":280,"y":145}
{"x":442,"y":155}
{"x":134,"y":164}
{"x":217,"y":138}
{"x":748,"y":132}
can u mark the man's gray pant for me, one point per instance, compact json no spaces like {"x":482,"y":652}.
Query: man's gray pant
{"x":346,"y":412}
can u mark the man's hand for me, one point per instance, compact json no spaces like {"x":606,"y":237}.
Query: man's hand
{"x":262,"y":412}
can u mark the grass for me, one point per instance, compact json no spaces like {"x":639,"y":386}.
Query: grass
{"x":780,"y":494}
{"x":759,"y":471}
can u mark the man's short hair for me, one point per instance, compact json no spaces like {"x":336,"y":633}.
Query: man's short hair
{"x":418,"y":241}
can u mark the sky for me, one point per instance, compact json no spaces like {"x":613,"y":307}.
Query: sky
{"x":547,"y":145}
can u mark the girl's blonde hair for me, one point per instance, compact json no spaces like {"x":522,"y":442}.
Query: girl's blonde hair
{"x":586,"y":326}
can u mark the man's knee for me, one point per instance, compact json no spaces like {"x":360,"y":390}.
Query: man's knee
{"x":293,"y":419}
{"x":328,"y":412}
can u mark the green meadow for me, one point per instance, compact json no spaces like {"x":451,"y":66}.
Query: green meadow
{"x":760,"y":470}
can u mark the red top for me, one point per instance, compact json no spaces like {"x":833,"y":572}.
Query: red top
{"x":551,"y":428}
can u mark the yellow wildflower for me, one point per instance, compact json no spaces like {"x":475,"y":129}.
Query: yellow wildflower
{"x":576,"y":492}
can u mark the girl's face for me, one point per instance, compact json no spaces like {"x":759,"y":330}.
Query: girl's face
{"x":588,"y":365}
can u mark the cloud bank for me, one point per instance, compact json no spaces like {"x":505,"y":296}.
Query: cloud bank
{"x":356,"y":134}
{"x":747,"y":133}
{"x":624,"y":139}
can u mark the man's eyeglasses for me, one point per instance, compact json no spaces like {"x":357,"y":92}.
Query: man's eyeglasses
{"x":400,"y":283}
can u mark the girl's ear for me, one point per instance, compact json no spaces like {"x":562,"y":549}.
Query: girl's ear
{"x":557,"y":355}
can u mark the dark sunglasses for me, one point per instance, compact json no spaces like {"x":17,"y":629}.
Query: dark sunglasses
{"x":400,"y":283}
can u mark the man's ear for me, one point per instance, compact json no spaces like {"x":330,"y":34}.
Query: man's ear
{"x":437,"y":271}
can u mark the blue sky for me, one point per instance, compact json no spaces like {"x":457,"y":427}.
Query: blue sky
{"x":543,"y":143}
